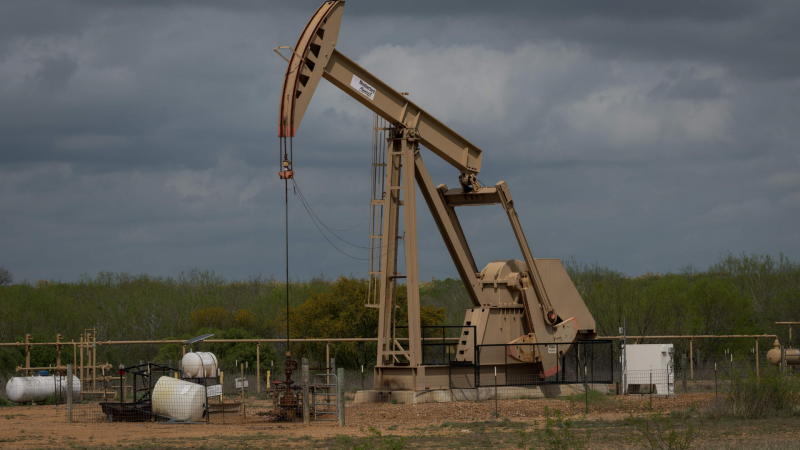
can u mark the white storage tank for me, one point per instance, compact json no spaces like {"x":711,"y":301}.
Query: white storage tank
{"x":199,"y":365}
{"x":37,"y":389}
{"x":647,"y":359}
{"x":178,"y":399}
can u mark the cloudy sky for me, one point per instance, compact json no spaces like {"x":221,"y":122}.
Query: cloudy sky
{"x":141,"y":136}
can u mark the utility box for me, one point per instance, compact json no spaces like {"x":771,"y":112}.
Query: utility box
{"x":650,"y":369}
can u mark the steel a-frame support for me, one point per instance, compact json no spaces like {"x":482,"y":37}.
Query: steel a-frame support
{"x":399,"y":177}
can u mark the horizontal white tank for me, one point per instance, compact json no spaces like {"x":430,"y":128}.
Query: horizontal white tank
{"x":178,"y":399}
{"x":37,"y":389}
{"x":199,"y":365}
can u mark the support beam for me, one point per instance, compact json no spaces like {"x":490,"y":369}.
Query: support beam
{"x":450,"y":228}
{"x":80,"y":369}
{"x":27,"y":354}
{"x":409,"y":149}
{"x":58,"y":349}
{"x":536,"y":279}
{"x":389,"y":257}
{"x":397,"y":109}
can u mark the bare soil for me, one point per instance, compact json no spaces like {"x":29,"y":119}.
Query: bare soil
{"x":46,"y":427}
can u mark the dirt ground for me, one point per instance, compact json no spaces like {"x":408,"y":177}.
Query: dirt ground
{"x":45,"y":426}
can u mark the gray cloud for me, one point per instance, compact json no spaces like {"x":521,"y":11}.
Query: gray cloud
{"x":140,"y":136}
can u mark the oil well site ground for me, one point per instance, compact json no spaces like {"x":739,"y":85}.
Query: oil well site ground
{"x":441,"y":425}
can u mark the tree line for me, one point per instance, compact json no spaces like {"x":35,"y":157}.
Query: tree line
{"x":739,"y":294}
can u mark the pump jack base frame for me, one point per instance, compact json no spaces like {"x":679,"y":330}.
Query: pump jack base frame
{"x":475,"y":394}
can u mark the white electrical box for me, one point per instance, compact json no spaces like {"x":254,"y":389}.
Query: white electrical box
{"x":650,"y":367}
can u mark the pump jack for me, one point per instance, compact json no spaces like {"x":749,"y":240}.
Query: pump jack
{"x":515,"y":302}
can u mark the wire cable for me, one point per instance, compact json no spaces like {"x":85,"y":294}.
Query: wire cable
{"x":312,"y":216}
{"x":316,"y":218}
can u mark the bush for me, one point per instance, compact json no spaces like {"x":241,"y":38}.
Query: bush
{"x":673,"y":431}
{"x":557,"y":434}
{"x":751,"y":397}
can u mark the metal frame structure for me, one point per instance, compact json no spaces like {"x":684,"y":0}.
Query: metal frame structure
{"x":139,"y":409}
{"x":526,"y":302}
{"x":324,"y":390}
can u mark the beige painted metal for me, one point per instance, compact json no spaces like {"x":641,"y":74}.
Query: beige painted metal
{"x":389,"y":274}
{"x":380,"y":130}
{"x":307,"y":60}
{"x":402,"y":112}
{"x":790,"y":328}
{"x":569,"y":303}
{"x":306,"y":64}
{"x":27,"y":354}
{"x":779,"y":354}
{"x":450,"y":228}
{"x":399,"y":178}
{"x":409,"y":146}
{"x":516,"y":320}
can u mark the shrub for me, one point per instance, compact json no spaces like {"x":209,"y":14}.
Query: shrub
{"x":674,"y":431}
{"x":769,"y":395}
{"x":557,"y":434}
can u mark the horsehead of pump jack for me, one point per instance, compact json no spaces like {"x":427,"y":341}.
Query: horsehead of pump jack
{"x":515,"y":302}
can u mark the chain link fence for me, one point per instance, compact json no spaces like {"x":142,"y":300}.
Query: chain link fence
{"x":159,"y":393}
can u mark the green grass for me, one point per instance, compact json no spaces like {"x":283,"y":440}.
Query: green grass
{"x":595,"y":397}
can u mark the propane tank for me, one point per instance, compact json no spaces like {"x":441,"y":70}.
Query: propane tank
{"x":37,"y":389}
{"x":199,"y":365}
{"x":774,"y":356}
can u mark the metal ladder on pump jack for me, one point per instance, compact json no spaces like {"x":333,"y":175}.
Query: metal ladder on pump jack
{"x":330,"y":392}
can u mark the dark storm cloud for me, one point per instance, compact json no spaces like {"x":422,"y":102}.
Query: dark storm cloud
{"x":141,"y":135}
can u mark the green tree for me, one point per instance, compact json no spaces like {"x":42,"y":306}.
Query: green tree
{"x":341,"y":313}
{"x":5,"y":277}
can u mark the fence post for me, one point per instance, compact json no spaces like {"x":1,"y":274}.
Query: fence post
{"x":651,"y":388}
{"x":340,"y":395}
{"x":69,"y":393}
{"x":585,"y":381}
{"x":306,"y":406}
{"x":495,"y":391}
{"x":716,"y":390}
{"x":683,"y":365}
{"x":758,"y":376}
{"x":258,"y":367}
